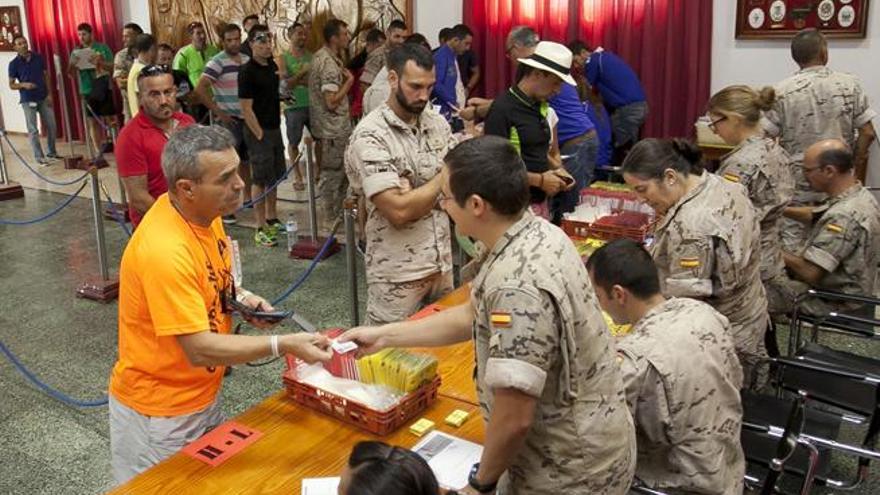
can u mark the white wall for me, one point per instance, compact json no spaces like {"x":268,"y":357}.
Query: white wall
{"x":137,"y":11}
{"x":761,"y":62}
{"x":433,"y":15}
{"x":13,"y":115}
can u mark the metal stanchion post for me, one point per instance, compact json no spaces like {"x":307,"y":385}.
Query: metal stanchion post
{"x":309,"y":248}
{"x":62,"y":101}
{"x":105,"y":289}
{"x":310,"y":187}
{"x":350,"y":214}
{"x":120,"y":209}
{"x":8,"y":188}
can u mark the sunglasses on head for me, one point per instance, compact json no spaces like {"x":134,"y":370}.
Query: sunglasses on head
{"x":194,"y":25}
{"x":154,"y":70}
{"x":263,"y":37}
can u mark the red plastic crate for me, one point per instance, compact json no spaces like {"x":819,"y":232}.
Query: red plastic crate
{"x":623,"y":203}
{"x":355,"y":413}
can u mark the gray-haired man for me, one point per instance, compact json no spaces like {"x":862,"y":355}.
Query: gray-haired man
{"x":175,"y":299}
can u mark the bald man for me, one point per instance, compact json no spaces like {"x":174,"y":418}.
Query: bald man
{"x":843,"y":246}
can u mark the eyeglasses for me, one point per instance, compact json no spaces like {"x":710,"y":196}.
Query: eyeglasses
{"x":154,"y":70}
{"x":713,"y":125}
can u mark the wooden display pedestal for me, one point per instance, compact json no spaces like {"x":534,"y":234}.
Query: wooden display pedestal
{"x":99,"y":290}
{"x":13,"y":190}
{"x":308,"y":249}
{"x":117,"y":211}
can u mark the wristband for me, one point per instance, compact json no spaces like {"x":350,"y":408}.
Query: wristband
{"x":273,"y":344}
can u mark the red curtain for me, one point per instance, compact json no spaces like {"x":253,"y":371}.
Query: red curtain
{"x":52,"y":29}
{"x":667,"y":42}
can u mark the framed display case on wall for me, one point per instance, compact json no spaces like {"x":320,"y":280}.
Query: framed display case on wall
{"x":762,"y":19}
{"x":10,"y":26}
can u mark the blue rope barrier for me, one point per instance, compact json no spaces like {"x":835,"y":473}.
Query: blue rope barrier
{"x":253,"y":201}
{"x":55,"y":394}
{"x":302,"y":278}
{"x":40,"y":176}
{"x":58,"y":208}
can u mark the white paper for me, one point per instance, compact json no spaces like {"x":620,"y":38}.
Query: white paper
{"x":450,"y":458}
{"x":320,"y":486}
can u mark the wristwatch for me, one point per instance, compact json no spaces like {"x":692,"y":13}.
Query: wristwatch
{"x":482,"y":488}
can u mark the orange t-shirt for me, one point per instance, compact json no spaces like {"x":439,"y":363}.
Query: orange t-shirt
{"x":170,"y":283}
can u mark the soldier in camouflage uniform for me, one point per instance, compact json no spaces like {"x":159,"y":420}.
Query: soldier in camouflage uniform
{"x":681,"y":375}
{"x":330,"y":119}
{"x":394,"y":162}
{"x":843,"y":247}
{"x":761,"y":166}
{"x":557,"y":421}
{"x":707,"y":243}
{"x":817,"y":103}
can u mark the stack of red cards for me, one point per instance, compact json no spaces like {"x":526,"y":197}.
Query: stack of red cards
{"x":343,"y":364}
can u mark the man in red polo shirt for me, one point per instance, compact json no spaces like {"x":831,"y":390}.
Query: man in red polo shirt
{"x":140,"y":144}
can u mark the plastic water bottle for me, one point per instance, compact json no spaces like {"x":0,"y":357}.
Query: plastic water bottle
{"x":291,"y":229}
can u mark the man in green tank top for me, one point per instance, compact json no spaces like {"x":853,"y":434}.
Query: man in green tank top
{"x":294,"y":65}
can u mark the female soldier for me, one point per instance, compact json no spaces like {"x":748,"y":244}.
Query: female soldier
{"x":763,"y":168}
{"x":707,"y":242}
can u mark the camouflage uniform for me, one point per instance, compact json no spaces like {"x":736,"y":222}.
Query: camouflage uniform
{"x":682,"y":381}
{"x":122,"y":62}
{"x":814,"y":104}
{"x":764,"y":169}
{"x":408,"y":265}
{"x":332,"y":127}
{"x":845,"y":242}
{"x":707,"y":246}
{"x":538,"y":328}
{"x":375,"y":62}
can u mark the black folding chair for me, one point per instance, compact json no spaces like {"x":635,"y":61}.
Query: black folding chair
{"x":858,"y":321}
{"x":831,"y":378}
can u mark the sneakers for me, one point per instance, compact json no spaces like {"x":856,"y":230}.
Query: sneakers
{"x":44,"y":161}
{"x":276,"y":225}
{"x":229,"y":219}
{"x":266,"y":238}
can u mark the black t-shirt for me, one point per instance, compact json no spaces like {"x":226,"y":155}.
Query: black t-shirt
{"x":467,"y":62}
{"x":260,"y":83}
{"x":518,"y":118}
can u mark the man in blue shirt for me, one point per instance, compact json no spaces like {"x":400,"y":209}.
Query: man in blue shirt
{"x":27,"y":74}
{"x":449,"y":89}
{"x":621,"y":91}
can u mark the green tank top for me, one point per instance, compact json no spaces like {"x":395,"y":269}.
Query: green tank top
{"x":299,"y":92}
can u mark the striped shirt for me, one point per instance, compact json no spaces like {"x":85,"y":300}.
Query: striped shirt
{"x":222,"y":71}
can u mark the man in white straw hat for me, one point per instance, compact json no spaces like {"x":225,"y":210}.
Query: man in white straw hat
{"x":523,"y":116}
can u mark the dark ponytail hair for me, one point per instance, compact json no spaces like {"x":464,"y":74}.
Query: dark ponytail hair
{"x":381,"y":469}
{"x":650,"y":157}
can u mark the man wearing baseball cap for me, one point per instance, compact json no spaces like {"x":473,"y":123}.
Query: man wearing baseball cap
{"x":523,"y":116}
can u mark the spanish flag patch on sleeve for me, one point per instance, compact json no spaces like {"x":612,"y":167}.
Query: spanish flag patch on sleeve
{"x":689,"y":262}
{"x":731,"y":177}
{"x":500,"y":319}
{"x":833,"y":227}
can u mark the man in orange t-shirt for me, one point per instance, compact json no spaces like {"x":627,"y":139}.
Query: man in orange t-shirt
{"x":174,"y":313}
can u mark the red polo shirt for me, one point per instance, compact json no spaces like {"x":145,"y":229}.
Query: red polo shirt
{"x":139,"y":152}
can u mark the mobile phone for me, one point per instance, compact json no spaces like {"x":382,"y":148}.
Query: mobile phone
{"x":248,"y":313}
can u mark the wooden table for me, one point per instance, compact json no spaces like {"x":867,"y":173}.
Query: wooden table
{"x":712,"y":154}
{"x":301,"y":443}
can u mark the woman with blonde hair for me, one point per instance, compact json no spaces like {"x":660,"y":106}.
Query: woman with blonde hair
{"x":761,"y":166}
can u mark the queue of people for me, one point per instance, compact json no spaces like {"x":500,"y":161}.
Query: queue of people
{"x":569,"y":408}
